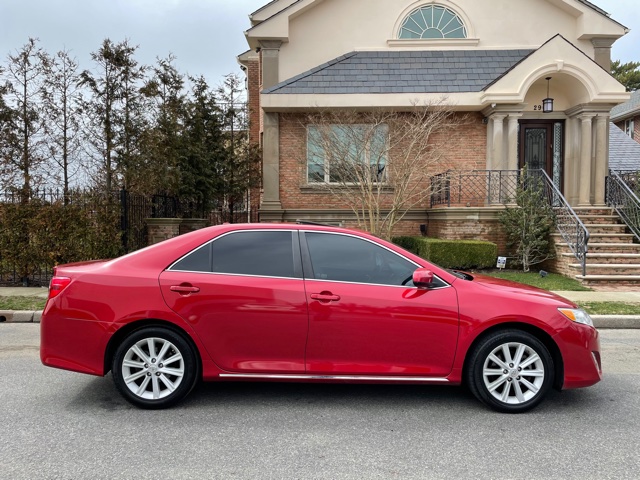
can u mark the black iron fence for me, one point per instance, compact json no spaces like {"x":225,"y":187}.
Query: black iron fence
{"x":50,"y":227}
{"x":475,"y":188}
{"x":622,"y":195}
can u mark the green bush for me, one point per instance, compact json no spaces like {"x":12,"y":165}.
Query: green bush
{"x":39,"y":234}
{"x":462,"y":254}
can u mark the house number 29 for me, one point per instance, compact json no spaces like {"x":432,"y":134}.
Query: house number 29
{"x":537,"y":108}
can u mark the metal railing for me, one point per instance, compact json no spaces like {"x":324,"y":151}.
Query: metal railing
{"x":475,"y":188}
{"x":621,"y":190}
{"x":567,"y":222}
{"x":483,"y":188}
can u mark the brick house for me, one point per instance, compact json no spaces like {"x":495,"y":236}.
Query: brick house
{"x":626,"y":116}
{"x":309,"y":55}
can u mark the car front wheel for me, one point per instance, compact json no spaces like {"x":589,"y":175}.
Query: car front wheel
{"x":154,"y":368}
{"x":511,"y":371}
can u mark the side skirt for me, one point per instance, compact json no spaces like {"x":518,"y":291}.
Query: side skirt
{"x":332,"y":378}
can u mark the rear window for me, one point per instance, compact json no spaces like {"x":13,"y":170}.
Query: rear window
{"x":261,"y":253}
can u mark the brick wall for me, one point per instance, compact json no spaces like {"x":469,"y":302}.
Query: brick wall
{"x":254,"y":85}
{"x":464,"y":148}
{"x":487,"y":230}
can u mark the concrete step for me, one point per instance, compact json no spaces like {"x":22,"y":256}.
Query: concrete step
{"x":601,"y":280}
{"x":586,"y":211}
{"x":611,"y":237}
{"x":603,"y":227}
{"x":609,"y":268}
{"x":608,"y":219}
{"x":610,"y":248}
{"x":608,"y":258}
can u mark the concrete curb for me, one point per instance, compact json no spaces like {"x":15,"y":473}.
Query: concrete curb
{"x":19,"y":316}
{"x":617,"y":322}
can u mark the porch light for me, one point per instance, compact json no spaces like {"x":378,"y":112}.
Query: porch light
{"x":547,"y":103}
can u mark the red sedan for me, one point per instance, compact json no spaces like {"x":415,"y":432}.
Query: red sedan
{"x":309,"y":303}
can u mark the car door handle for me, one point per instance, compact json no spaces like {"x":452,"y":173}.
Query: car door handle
{"x":184,"y":289}
{"x":325,"y":297}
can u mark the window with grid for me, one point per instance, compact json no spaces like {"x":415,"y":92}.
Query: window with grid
{"x":344,"y":154}
{"x":432,"y":22}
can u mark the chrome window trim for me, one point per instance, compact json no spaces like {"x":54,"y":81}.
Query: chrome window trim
{"x":169,"y":269}
{"x":335,"y":377}
{"x":239,"y":275}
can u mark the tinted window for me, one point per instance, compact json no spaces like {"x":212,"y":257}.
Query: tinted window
{"x":197,"y":261}
{"x":254,"y":253}
{"x":347,"y":259}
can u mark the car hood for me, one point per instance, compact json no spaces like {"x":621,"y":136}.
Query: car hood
{"x":510,"y":288}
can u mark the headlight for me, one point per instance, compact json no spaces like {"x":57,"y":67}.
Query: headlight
{"x":577,"y":315}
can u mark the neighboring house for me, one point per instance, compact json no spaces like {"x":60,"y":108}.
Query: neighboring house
{"x":491,"y":59}
{"x":627,"y":116}
{"x":624,"y":154}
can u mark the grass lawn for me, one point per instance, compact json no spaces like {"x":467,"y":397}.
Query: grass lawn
{"x":22,"y":303}
{"x":552,"y":281}
{"x":610,"y":308}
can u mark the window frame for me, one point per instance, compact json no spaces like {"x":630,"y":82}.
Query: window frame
{"x":326,"y":162}
{"x":432,"y":7}
{"x":629,"y":128}
{"x":297,"y":259}
{"x":310,"y":275}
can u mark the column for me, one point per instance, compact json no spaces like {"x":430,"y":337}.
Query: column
{"x":270,"y":50}
{"x":498,"y":160}
{"x":512,"y":129}
{"x":585,"y":160}
{"x":602,"y":167}
{"x":271,"y":162}
{"x":602,"y":52}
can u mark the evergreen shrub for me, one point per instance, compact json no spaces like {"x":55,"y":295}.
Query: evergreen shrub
{"x":461,"y":254}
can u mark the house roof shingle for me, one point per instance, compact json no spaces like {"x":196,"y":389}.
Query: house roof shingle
{"x":633,"y":105}
{"x":430,"y":71}
{"x":624,"y":153}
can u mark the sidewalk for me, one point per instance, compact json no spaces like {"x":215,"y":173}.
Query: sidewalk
{"x":600,"y":321}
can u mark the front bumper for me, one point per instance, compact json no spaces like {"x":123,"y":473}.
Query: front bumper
{"x":580,"y":348}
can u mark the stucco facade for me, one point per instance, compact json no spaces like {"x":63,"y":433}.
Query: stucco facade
{"x":308,"y":55}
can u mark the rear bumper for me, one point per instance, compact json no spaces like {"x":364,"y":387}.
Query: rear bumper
{"x":580,"y":348}
{"x":73,"y":344}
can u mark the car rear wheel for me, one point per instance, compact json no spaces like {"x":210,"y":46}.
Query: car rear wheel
{"x":154,"y":367}
{"x":511,"y":371}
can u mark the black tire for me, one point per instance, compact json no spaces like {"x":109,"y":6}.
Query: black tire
{"x":523,"y":386}
{"x":152,"y":384}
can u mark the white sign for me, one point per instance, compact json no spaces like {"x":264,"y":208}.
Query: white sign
{"x":502,"y":262}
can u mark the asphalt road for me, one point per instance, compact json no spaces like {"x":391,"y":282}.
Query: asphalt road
{"x":61,"y":425}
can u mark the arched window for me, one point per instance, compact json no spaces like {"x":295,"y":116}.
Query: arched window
{"x":432,"y":22}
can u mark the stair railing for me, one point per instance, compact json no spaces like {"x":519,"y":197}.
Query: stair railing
{"x":568,"y":224}
{"x":498,"y":187}
{"x":622,"y":198}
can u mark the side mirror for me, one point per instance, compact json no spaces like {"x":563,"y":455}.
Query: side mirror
{"x":422,"y":278}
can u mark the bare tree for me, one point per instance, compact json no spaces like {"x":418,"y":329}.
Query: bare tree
{"x":61,"y":106}
{"x":379,"y":162}
{"x":239,"y":172}
{"x":162,"y":142}
{"x":109,"y":110}
{"x":23,"y":80}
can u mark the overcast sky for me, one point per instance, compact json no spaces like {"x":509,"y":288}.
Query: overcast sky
{"x":205,"y":35}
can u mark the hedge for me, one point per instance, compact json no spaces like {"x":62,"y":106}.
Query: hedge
{"x":40,"y":235}
{"x":462,"y":254}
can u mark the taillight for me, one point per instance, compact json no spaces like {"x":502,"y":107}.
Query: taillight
{"x":57,"y":285}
